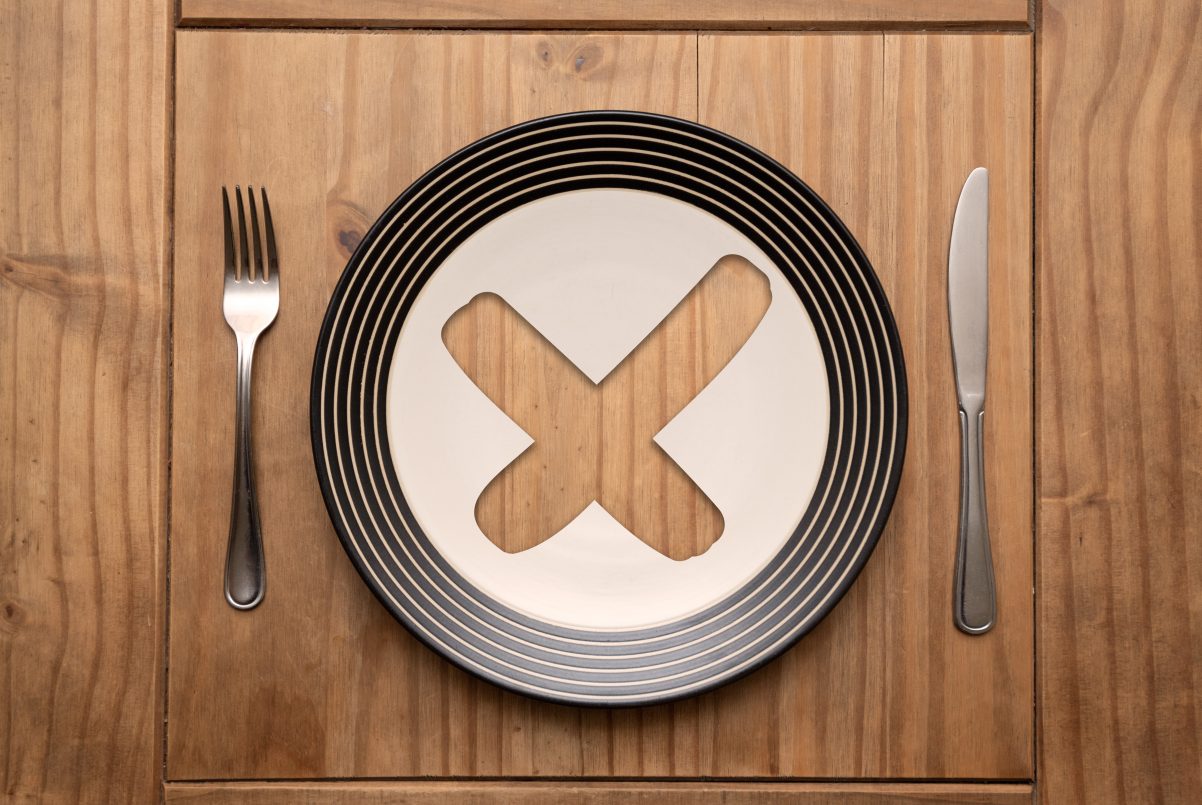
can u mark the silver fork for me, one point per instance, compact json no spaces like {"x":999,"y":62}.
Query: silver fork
{"x":251,"y":302}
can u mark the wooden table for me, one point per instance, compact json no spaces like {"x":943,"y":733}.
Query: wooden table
{"x":129,"y":679}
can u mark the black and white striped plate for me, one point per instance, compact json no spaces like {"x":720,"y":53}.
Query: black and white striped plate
{"x":799,"y":441}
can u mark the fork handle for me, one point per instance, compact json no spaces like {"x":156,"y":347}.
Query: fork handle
{"x":974,"y":606}
{"x":245,"y":574}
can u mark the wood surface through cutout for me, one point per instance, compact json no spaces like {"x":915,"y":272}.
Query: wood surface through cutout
{"x":594,"y":442}
{"x":884,"y":128}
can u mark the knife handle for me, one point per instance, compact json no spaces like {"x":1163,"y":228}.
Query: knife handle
{"x":974,"y":608}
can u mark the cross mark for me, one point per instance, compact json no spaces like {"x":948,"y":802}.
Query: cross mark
{"x":595,"y":441}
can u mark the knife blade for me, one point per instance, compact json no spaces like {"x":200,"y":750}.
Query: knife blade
{"x":974,"y":608}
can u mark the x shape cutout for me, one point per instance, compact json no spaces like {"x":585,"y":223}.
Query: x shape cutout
{"x":595,"y":442}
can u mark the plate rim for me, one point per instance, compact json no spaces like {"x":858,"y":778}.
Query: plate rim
{"x":886,"y":496}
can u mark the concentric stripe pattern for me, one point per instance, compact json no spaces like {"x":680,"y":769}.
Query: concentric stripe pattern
{"x":763,"y":201}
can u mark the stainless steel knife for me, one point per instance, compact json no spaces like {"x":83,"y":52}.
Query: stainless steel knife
{"x":974,"y":607}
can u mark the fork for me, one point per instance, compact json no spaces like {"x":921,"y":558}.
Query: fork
{"x":250,"y":302}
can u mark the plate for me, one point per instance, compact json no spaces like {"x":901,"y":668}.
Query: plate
{"x":608,"y":408}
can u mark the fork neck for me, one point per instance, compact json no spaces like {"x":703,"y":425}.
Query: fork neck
{"x":246,"y":351}
{"x":246,"y":346}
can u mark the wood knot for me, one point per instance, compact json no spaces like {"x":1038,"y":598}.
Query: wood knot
{"x":347,"y":224}
{"x":12,"y":615}
{"x":588,"y":59}
{"x":60,"y":277}
{"x":583,"y":61}
{"x":349,"y":239}
{"x":80,"y":287}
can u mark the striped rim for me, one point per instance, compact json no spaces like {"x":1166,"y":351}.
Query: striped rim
{"x":768,"y":205}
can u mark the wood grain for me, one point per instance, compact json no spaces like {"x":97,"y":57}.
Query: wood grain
{"x":595,"y":442}
{"x":83,"y":241}
{"x":1120,"y":391}
{"x":320,"y":681}
{"x":525,"y":793}
{"x":748,"y":14}
{"x":890,"y":158}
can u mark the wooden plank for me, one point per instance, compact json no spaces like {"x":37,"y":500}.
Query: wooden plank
{"x":748,"y":14}
{"x":891,"y":159}
{"x":328,"y":684}
{"x":1120,"y":312}
{"x":513,"y":793}
{"x":83,"y":241}
{"x":320,"y":680}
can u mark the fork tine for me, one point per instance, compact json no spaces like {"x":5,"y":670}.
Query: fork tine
{"x":260,"y":269}
{"x":243,"y":251}
{"x":273,"y":262}
{"x":230,"y":265}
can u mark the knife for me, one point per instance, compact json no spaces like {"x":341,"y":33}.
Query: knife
{"x":974,"y":607}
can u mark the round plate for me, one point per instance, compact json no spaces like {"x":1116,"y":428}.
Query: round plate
{"x":593,"y":227}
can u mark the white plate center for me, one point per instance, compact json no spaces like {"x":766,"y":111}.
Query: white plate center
{"x":595,"y":271}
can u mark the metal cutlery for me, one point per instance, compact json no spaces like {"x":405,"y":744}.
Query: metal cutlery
{"x":974,"y":607}
{"x":250,"y":302}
